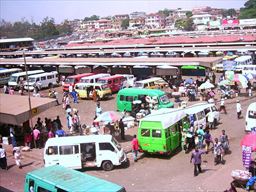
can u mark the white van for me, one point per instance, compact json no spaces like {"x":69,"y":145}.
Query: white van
{"x":250,"y":120}
{"x":210,"y":107}
{"x":16,"y":77}
{"x":93,"y":78}
{"x":43,"y":80}
{"x":84,"y":151}
{"x":198,"y":115}
{"x":129,"y":79}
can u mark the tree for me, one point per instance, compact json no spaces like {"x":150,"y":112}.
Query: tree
{"x":165,"y":12}
{"x":185,"y":24}
{"x":125,"y":23}
{"x":249,"y":10}
{"x":189,"y":14}
{"x":48,"y":28}
{"x":92,"y":18}
{"x":64,"y":27}
{"x":229,"y":12}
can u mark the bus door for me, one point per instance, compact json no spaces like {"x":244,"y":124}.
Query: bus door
{"x":175,"y":136}
{"x":157,"y":143}
{"x":70,"y":156}
{"x":145,"y":140}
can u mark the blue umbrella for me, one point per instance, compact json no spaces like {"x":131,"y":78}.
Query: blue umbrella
{"x":189,"y":81}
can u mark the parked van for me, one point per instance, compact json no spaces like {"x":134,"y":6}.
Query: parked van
{"x":61,"y":179}
{"x":78,"y":152}
{"x":41,"y":81}
{"x":160,"y":132}
{"x":94,"y":78}
{"x":74,"y":79}
{"x":210,"y":107}
{"x":129,"y":79}
{"x":250,"y":119}
{"x":114,"y":82}
{"x":84,"y":90}
{"x":197,"y":114}
{"x":17,"y":77}
{"x":125,"y":98}
{"x":148,"y":83}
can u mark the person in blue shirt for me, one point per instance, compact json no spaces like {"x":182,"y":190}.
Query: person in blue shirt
{"x":60,"y":132}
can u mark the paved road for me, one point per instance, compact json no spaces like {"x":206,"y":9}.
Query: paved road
{"x":150,"y":173}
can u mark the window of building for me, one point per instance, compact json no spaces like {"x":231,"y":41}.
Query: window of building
{"x":156,"y":133}
{"x":106,"y":146}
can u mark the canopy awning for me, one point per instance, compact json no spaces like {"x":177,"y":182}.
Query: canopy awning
{"x":14,"y":109}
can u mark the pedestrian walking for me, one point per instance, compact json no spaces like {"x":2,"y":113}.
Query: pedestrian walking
{"x":121,"y":127}
{"x":50,"y":134}
{"x":3,"y":160}
{"x":210,"y":119}
{"x":196,"y":158}
{"x":218,"y":152}
{"x":200,"y":135}
{"x":135,"y":148}
{"x":13,"y":137}
{"x":238,"y":109}
{"x":224,"y":141}
{"x":222,"y":105}
{"x":208,"y":140}
{"x":76,"y":122}
{"x":98,"y":110}
{"x":17,"y":156}
{"x":36,"y":136}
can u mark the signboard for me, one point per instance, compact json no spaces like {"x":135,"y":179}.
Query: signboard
{"x":246,"y":156}
{"x":229,"y":65}
{"x":250,"y":22}
{"x":230,"y":22}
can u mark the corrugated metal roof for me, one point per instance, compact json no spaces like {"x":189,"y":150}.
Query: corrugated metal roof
{"x":16,"y":40}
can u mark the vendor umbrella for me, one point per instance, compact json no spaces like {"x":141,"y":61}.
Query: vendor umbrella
{"x":108,"y":117}
{"x":249,"y":140}
{"x":206,"y":85}
{"x":241,"y":79}
{"x":224,"y":82}
{"x":248,"y":76}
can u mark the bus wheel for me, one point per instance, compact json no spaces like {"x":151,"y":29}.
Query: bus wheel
{"x":107,"y":165}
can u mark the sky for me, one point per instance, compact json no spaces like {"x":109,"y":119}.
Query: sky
{"x":36,"y":10}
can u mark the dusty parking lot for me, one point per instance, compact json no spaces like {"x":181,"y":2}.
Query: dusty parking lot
{"x":157,"y":173}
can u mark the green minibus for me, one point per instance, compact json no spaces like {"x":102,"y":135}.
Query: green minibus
{"x":125,"y":98}
{"x":61,"y":179}
{"x":160,"y":132}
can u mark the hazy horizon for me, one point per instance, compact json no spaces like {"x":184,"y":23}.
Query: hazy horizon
{"x":36,"y":10}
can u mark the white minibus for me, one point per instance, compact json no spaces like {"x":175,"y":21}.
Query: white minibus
{"x":17,"y":77}
{"x":42,"y":80}
{"x":5,"y":75}
{"x":78,"y":152}
{"x":249,"y":69}
{"x":129,"y":79}
{"x":250,"y":119}
{"x":93,"y":78}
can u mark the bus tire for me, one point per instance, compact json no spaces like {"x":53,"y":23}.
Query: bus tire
{"x":50,"y":85}
{"x":107,"y":166}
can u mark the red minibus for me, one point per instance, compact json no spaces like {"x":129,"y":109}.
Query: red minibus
{"x":72,"y":80}
{"x":114,"y":82}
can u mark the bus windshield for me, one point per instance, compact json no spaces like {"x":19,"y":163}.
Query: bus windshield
{"x":69,"y":80}
{"x":164,"y":99}
{"x":13,"y":79}
{"x":85,"y":80}
{"x":138,"y":84}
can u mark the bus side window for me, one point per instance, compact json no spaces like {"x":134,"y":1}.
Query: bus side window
{"x":156,"y":133}
{"x":66,"y":150}
{"x":61,"y":190}
{"x":145,"y":132}
{"x":129,"y":98}
{"x":106,"y":146}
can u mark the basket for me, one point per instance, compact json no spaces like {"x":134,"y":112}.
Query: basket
{"x":240,"y":175}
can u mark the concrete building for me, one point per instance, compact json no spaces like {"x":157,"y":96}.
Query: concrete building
{"x":88,"y":25}
{"x":121,"y":17}
{"x":137,"y":23}
{"x":155,"y":20}
{"x":201,"y":19}
{"x":103,"y":24}
{"x":179,"y":13}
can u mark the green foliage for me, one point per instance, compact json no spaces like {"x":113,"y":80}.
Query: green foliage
{"x":165,"y":12}
{"x":92,"y":18}
{"x":189,"y":14}
{"x":229,"y":12}
{"x":249,"y":10}
{"x":185,"y":24}
{"x":46,"y":29}
{"x":125,"y":23}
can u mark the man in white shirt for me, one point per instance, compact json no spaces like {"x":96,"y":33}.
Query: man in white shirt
{"x":222,"y":105}
{"x":12,"y":135}
{"x":238,"y":109}
{"x":3,"y":161}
